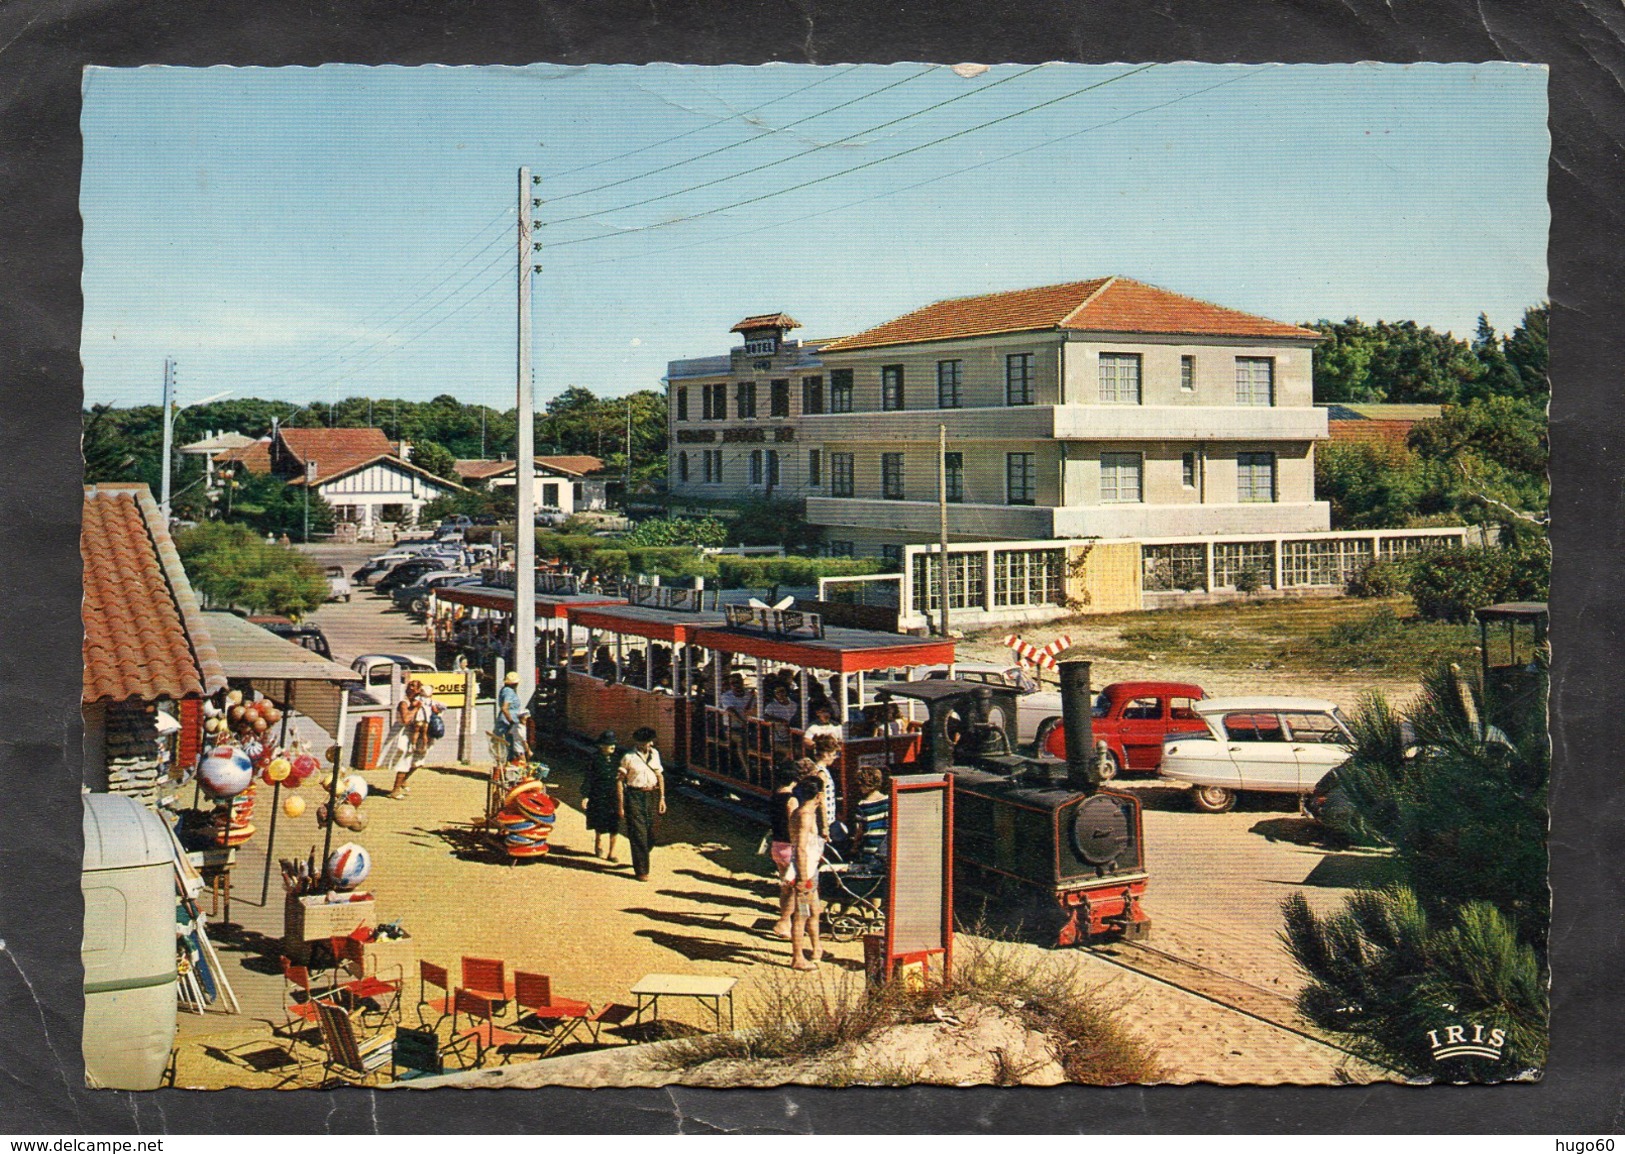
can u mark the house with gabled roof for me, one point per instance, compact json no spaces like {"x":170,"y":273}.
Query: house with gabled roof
{"x":368,"y":479}
{"x":1101,"y":408}
{"x":568,"y":483}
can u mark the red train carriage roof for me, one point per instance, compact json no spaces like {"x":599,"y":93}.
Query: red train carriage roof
{"x":674,"y":625}
{"x":839,"y":650}
{"x":555,"y":605}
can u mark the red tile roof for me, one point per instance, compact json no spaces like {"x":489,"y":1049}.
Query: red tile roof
{"x":766,"y":321}
{"x":1371,"y":432}
{"x":1106,"y":304}
{"x":475,"y":469}
{"x":333,"y":450}
{"x":144,"y":633}
{"x":255,"y":457}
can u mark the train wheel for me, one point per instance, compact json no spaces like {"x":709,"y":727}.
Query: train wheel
{"x":1213,"y":798}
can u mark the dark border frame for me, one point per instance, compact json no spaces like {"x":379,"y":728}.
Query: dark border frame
{"x":44,"y":44}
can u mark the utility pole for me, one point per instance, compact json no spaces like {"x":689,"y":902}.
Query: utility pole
{"x":310,"y":481}
{"x":482,"y":432}
{"x":524,"y":577}
{"x":626,"y":483}
{"x":169,"y":433}
{"x":942,"y":527}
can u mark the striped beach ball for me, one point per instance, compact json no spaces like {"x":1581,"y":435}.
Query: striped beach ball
{"x":348,"y":866}
{"x":226,"y":772}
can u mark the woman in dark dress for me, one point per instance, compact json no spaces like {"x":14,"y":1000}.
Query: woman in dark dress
{"x":598,"y":794}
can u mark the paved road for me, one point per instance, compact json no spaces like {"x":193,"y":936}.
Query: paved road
{"x":367,"y":623}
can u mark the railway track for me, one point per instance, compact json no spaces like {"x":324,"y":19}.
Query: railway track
{"x":1214,"y":986}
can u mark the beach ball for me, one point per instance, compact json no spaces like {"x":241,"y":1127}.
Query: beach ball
{"x":293,"y":805}
{"x":354,"y":789}
{"x":348,"y":866}
{"x":344,"y":815}
{"x":304,"y":765}
{"x":278,"y":769}
{"x":226,"y":772}
{"x":360,"y":822}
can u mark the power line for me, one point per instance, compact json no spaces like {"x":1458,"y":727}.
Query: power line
{"x":683,"y":135}
{"x":821,"y":147}
{"x":930,"y":68}
{"x":779,"y":224}
{"x":307,"y":360}
{"x":856,"y":167}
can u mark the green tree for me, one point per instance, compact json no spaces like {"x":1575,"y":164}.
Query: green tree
{"x":660,"y":531}
{"x":1525,"y":350}
{"x":1448,"y":584}
{"x":1369,"y":486}
{"x":231,"y":567}
{"x":437,"y":459}
{"x":268,"y":504}
{"x":1391,"y":361}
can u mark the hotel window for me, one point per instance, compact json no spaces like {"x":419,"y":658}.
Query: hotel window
{"x":682,"y":466}
{"x":812,"y":395}
{"x":1187,"y":374}
{"x":682,"y":404}
{"x":713,"y":466}
{"x":778,"y":399}
{"x":1255,"y":476}
{"x":1187,"y":470}
{"x":840,"y":549}
{"x":772,"y":468}
{"x":815,"y":469}
{"x":949,"y":374}
{"x":840,"y":391}
{"x":756,"y":466}
{"x":716,"y":402}
{"x":1119,"y":378}
{"x":1018,"y":379}
{"x":891,"y":476}
{"x":891,"y":387}
{"x":1120,"y":478}
{"x":840,"y":475}
{"x":953,"y":468}
{"x":745,"y":399}
{"x":1255,"y":380}
{"x":1020,"y":478}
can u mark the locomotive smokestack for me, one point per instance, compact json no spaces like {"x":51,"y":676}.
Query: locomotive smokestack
{"x":1081,"y":772}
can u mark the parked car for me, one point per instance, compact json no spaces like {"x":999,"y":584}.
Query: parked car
{"x":377,"y":670}
{"x":1135,"y":719}
{"x":550,"y":515}
{"x":338,"y":585}
{"x":1257,"y":744}
{"x":377,"y":566}
{"x":454,"y":521}
{"x":404,"y":596}
{"x":407,"y":572}
{"x":306,"y":636}
{"x":485,"y":519}
{"x":1034,"y":706}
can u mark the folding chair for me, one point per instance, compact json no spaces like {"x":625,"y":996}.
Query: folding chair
{"x":351,"y":1058}
{"x":430,"y":974}
{"x":350,"y":954}
{"x":488,"y":977}
{"x":299,"y":1000}
{"x":418,"y":1053}
{"x":556,"y":1019}
{"x":482,"y":1031}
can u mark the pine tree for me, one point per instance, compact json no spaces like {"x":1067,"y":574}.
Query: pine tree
{"x":1460,"y":938}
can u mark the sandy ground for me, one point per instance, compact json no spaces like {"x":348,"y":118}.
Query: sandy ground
{"x":706,"y":909}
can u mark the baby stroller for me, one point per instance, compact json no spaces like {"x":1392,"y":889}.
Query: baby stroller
{"x":854,"y":895}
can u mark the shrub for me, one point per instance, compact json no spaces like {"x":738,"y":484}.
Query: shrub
{"x":755,"y":572}
{"x":668,"y":531}
{"x":1449,"y":584}
{"x":773,"y":522}
{"x":232,"y":567}
{"x":672,"y":561}
{"x":1377,"y":579}
{"x":1249,"y":581}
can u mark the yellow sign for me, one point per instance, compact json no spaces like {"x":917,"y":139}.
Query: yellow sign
{"x":446,"y":687}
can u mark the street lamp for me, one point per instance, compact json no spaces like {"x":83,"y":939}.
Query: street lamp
{"x":170,"y":409}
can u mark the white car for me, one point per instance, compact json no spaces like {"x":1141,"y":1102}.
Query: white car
{"x":1256,"y":744}
{"x":377,"y":671}
{"x":1034,"y":705}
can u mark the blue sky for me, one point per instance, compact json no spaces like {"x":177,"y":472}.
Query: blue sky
{"x":313,"y":234}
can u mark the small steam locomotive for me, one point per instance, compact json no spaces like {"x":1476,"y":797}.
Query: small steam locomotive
{"x":1038,"y":844}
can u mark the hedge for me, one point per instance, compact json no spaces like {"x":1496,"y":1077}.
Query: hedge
{"x":1447,"y":585}
{"x":755,"y":572}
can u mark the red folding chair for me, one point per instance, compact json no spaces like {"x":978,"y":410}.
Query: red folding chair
{"x":482,"y":1029}
{"x":367,"y":985}
{"x":488,"y":978}
{"x":430,"y":974}
{"x":299,"y":998}
{"x":561,"y":1019}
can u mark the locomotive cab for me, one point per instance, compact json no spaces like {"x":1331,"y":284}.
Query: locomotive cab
{"x":1037,"y":842}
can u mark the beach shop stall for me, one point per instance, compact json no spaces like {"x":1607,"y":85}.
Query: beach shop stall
{"x":638,"y":666}
{"x":844,"y":667}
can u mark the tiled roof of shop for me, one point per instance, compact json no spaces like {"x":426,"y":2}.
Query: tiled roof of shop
{"x":475,"y":469}
{"x":255,"y":457}
{"x":144,"y":636}
{"x":1106,"y":304}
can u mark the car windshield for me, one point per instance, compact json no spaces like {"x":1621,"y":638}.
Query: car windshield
{"x":1315,"y":727}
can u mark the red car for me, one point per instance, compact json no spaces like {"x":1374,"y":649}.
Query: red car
{"x":1132,"y":718}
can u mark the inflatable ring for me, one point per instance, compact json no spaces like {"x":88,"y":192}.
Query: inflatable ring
{"x":520,"y":790}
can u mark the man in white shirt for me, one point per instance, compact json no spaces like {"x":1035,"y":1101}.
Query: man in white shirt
{"x":738,"y":703}
{"x":640,"y":796}
{"x":824,"y":724}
